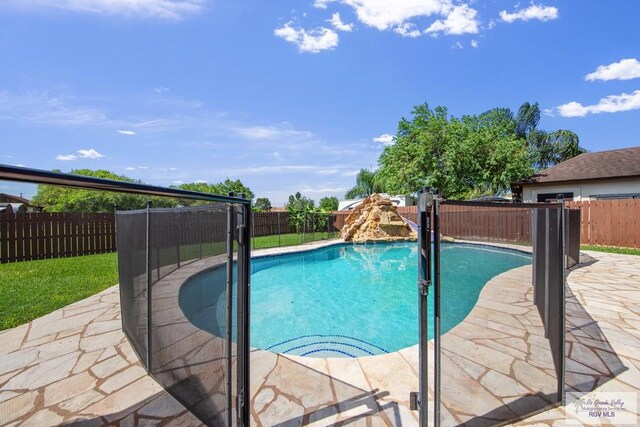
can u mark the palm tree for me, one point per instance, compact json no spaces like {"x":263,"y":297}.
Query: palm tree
{"x":366,"y":185}
{"x":547,"y":148}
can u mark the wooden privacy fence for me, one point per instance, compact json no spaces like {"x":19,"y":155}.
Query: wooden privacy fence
{"x":609,"y":222}
{"x":493,"y":224}
{"x":31,"y":236}
{"x":40,"y":235}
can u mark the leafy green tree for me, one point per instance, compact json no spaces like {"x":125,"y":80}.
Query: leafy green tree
{"x":366,"y":185}
{"x":546,"y":148}
{"x":262,"y":204}
{"x":221,"y":188}
{"x":462,"y":157}
{"x":303,"y":215}
{"x":64,"y":199}
{"x":328,"y":204}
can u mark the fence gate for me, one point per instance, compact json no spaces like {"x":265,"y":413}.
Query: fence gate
{"x":492,"y":314}
{"x":184,"y":297}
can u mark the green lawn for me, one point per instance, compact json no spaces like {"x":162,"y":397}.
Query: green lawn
{"x":610,"y":249}
{"x":31,"y":289}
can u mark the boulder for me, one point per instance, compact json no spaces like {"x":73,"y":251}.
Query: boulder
{"x":376,"y":219}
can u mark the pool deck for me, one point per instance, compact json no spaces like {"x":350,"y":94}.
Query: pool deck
{"x":75,"y":366}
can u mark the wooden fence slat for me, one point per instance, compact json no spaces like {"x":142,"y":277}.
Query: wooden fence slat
{"x":4,"y":231}
{"x":20,"y":240}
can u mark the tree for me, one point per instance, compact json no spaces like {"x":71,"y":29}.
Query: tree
{"x":328,"y":204}
{"x":366,"y":185}
{"x":299,"y":203}
{"x":462,"y":157}
{"x":221,"y":188}
{"x":262,"y":204}
{"x":303,"y":215}
{"x":546,"y":148}
{"x":63,"y":199}
{"x":472,"y":155}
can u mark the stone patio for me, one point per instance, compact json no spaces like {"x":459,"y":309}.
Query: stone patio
{"x":75,"y":365}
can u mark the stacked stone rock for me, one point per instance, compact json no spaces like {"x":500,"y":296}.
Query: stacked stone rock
{"x":376,"y":219}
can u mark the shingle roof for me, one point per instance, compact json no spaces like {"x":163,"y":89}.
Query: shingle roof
{"x":623,"y":163}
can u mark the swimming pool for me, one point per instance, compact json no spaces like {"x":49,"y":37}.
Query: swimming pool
{"x":351,"y":300}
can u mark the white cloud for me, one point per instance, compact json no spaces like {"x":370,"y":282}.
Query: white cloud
{"x":126,"y":132}
{"x":324,"y":190}
{"x":407,"y":29}
{"x":337,"y":23}
{"x":312,"y":41}
{"x":384,"y":14}
{"x":271,"y":132}
{"x":609,"y":104}
{"x":130,"y":168}
{"x":322,"y":4}
{"x":44,"y":109}
{"x":535,"y":11}
{"x":626,"y":69}
{"x":82,"y":154}
{"x":283,"y":169}
{"x":474,"y":44}
{"x":385,"y":138}
{"x":161,"y":89}
{"x":161,"y":9}
{"x":90,"y":154}
{"x":460,"y":20}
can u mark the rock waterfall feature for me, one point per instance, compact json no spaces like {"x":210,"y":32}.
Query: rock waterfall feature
{"x":376,"y":219}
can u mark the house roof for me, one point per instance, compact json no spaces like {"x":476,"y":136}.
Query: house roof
{"x":13,"y":199}
{"x":622,"y":163}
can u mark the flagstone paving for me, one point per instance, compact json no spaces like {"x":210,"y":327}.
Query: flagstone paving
{"x":75,"y":366}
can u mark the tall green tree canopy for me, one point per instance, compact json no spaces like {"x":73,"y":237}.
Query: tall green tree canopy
{"x":472,"y":155}
{"x":328,"y":204}
{"x":222,"y":188}
{"x":299,"y":203}
{"x":63,"y":199}
{"x":262,"y":204}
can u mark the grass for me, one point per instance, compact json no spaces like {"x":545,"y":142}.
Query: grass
{"x":292,"y":239}
{"x":610,"y":249}
{"x":31,"y":289}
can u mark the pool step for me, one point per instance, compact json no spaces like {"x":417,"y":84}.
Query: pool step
{"x":327,"y":346}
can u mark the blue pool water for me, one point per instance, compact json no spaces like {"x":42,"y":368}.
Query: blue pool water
{"x":346,"y":300}
{"x":357,"y":300}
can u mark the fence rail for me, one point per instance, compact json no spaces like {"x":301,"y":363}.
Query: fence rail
{"x":42,"y":235}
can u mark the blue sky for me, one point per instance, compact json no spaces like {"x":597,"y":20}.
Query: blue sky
{"x":295,"y":95}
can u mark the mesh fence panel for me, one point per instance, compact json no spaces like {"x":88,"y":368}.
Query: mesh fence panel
{"x":501,"y":314}
{"x":187,"y":318}
{"x":132,"y":271}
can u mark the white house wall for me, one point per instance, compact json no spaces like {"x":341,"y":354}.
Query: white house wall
{"x":583,"y":191}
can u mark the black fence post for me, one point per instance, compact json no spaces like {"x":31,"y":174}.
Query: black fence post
{"x":229,"y":311}
{"x":244,"y":275}
{"x":437,"y":312}
{"x":149,"y":284}
{"x":418,"y":401}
